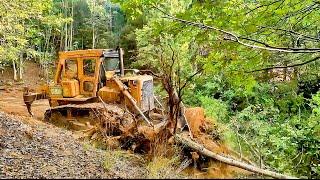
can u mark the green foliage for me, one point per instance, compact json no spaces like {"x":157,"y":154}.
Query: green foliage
{"x":268,"y":112}
{"x":37,"y":29}
{"x":214,"y":108}
{"x":19,"y":26}
{"x":275,"y":124}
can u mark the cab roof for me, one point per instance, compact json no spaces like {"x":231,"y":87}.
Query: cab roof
{"x":89,"y":53}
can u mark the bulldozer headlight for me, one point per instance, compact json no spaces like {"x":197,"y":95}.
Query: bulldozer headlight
{"x":55,"y":90}
{"x":134,"y":82}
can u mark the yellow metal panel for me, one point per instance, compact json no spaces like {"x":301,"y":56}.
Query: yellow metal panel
{"x":93,"y":79}
{"x":81,"y":53}
{"x":70,"y":88}
{"x":109,"y":95}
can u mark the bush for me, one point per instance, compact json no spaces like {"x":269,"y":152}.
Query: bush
{"x":271,"y":122}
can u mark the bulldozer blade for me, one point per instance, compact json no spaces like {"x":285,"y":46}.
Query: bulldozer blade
{"x":29,"y":98}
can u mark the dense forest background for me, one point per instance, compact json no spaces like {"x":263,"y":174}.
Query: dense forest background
{"x":253,"y":65}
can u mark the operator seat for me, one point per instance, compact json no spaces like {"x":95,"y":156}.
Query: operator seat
{"x":70,"y":82}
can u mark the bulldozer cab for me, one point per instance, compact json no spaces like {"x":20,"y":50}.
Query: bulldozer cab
{"x":80,"y":74}
{"x":86,"y":77}
{"x":83,"y":75}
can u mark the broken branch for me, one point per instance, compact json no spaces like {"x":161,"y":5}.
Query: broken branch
{"x":282,"y":67}
{"x":201,"y":149}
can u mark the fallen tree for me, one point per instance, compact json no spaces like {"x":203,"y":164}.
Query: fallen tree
{"x":185,"y":140}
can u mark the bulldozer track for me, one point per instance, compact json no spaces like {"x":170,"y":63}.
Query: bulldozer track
{"x":99,"y":106}
{"x":80,"y":116}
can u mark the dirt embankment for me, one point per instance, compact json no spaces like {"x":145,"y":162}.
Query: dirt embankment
{"x":32,"y":76}
{"x":11,"y":99}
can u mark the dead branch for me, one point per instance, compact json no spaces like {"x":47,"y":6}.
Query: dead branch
{"x":201,"y":149}
{"x":149,"y":72}
{"x":263,"y":5}
{"x":283,"y":67}
{"x":238,"y":39}
{"x":317,"y":39}
{"x":190,"y":78}
{"x":242,"y":158}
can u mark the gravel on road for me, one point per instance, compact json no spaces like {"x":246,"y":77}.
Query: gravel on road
{"x":45,"y":151}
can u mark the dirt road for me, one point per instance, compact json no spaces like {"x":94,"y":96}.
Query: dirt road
{"x":11,"y":102}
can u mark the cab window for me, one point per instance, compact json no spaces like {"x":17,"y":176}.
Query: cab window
{"x":111,"y":64}
{"x":89,"y":66}
{"x":71,"y":68}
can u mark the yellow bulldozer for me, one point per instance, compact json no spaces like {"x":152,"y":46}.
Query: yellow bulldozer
{"x":88,"y":80}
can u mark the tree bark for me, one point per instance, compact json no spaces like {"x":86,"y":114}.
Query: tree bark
{"x":14,"y":71}
{"x":45,"y":65}
{"x":201,"y":149}
{"x":21,"y":66}
{"x":110,"y":16}
{"x":173,"y":100}
{"x":93,"y":37}
{"x":66,"y":27}
{"x":66,"y":37}
{"x":61,"y":48}
{"x":93,"y":25}
{"x":71,"y":29}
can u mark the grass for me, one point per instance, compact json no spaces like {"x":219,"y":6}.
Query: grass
{"x":163,"y":168}
{"x":86,"y":146}
{"x":114,"y":156}
{"x":111,"y":157}
{"x":159,"y":167}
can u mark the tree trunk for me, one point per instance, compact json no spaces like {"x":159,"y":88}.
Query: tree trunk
{"x":66,"y":27}
{"x":110,"y":16}
{"x":93,"y":37}
{"x":202,"y":150}
{"x":71,"y":29}
{"x":173,"y":101}
{"x":81,"y":42}
{"x":93,"y":25}
{"x":14,"y":71}
{"x":45,"y":64}
{"x":66,"y":37}
{"x":61,"y":39}
{"x":21,"y":66}
{"x":61,"y":48}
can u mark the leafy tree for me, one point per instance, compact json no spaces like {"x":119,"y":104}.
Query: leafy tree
{"x":19,"y":25}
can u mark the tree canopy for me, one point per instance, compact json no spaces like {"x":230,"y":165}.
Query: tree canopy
{"x":260,"y":70}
